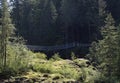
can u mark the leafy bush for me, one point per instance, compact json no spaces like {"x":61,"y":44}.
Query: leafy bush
{"x":56,"y":57}
{"x":73,"y":57}
{"x":40,"y":55}
{"x":70,"y":73}
{"x":43,"y":68}
{"x":18,"y":58}
{"x":82,"y":62}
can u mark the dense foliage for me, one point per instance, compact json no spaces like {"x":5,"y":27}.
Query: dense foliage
{"x":105,"y":53}
{"x":56,"y":22}
{"x":61,"y":21}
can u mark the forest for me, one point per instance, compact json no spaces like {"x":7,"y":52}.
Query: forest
{"x":59,"y":41}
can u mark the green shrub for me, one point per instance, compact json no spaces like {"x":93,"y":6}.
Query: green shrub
{"x":73,"y":57}
{"x":70,"y":73}
{"x":56,"y":57}
{"x":82,"y":62}
{"x":43,"y":68}
{"x":18,"y":58}
{"x":40,"y":55}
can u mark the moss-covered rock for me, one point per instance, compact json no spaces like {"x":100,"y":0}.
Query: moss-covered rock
{"x":62,"y":71}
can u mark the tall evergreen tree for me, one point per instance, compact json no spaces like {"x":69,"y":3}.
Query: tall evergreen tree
{"x":20,"y":13}
{"x":46,"y":16}
{"x":107,"y":51}
{"x":7,"y":31}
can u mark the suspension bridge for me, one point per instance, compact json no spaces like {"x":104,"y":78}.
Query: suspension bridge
{"x":57,"y":47}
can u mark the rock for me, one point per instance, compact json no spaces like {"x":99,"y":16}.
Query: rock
{"x":46,"y":75}
{"x":56,"y":78}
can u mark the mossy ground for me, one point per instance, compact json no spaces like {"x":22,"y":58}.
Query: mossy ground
{"x":57,"y":71}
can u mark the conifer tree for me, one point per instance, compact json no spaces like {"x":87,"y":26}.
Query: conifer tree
{"x":46,"y":21}
{"x":106,"y":52}
{"x":6,"y":32}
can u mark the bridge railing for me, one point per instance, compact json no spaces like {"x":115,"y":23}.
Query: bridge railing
{"x":57,"y":47}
